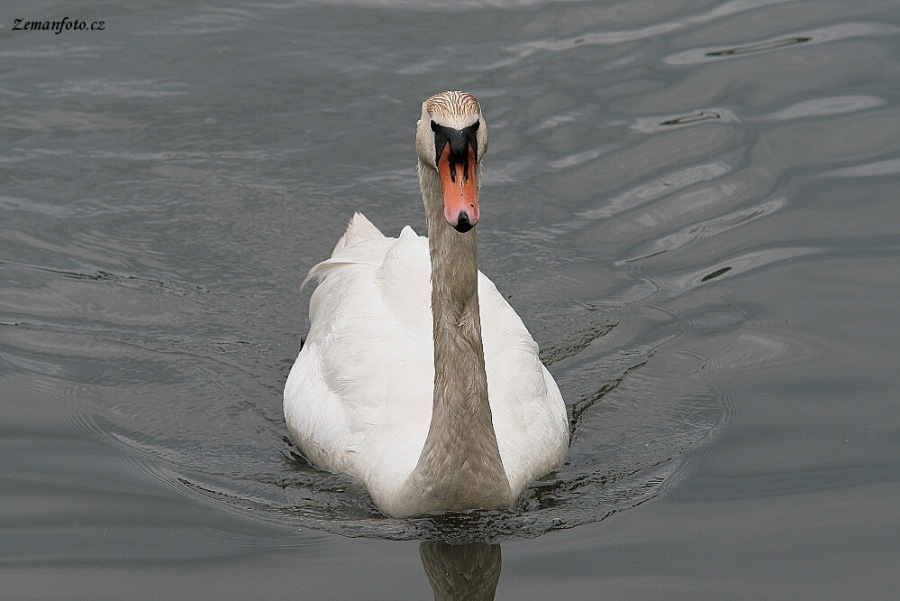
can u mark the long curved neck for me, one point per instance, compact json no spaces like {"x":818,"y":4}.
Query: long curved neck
{"x":460,"y":466}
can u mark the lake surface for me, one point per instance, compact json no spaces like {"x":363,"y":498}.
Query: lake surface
{"x":692,"y":205}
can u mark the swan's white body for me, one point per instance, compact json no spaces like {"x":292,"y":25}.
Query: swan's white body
{"x":360,"y":396}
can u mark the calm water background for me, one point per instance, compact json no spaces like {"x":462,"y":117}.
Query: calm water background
{"x":693,"y":206}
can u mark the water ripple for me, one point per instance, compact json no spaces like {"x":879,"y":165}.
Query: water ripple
{"x":705,"y":229}
{"x":873,"y":169}
{"x":810,"y":37}
{"x":521,"y":51}
{"x":676,"y":285}
{"x":657,"y":188}
{"x":821,"y":107}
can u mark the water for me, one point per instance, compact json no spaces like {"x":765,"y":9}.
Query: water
{"x":692,"y":205}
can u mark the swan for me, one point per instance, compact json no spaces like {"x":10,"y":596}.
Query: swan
{"x":417,"y":377}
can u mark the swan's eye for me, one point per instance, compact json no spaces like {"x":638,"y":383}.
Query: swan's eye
{"x":474,"y":126}
{"x":434,"y":126}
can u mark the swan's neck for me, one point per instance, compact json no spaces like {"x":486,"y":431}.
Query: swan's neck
{"x":460,"y":466}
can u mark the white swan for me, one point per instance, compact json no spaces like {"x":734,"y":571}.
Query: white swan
{"x":417,"y":377}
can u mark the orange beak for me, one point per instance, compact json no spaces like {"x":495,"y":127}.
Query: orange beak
{"x":460,"y":190}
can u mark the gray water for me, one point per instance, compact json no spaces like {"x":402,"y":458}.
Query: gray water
{"x":692,"y":205}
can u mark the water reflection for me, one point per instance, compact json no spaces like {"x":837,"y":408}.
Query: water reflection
{"x":468,"y":571}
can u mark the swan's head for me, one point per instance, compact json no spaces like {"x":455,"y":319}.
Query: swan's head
{"x":451,"y":138}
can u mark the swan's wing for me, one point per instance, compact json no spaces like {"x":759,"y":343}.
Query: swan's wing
{"x":358,"y":229}
{"x":362,"y":243}
{"x":358,"y":399}
{"x":528,"y":411}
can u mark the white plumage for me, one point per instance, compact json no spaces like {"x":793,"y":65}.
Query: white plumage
{"x":360,"y":396}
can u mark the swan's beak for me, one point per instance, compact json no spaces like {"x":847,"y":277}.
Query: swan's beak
{"x":459,"y":187}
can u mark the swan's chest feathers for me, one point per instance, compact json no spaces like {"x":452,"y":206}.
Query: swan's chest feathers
{"x":359,"y":397}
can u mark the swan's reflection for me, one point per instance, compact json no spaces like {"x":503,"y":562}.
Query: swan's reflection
{"x":461,"y":571}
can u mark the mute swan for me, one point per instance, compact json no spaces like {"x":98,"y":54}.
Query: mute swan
{"x":417,"y":377}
